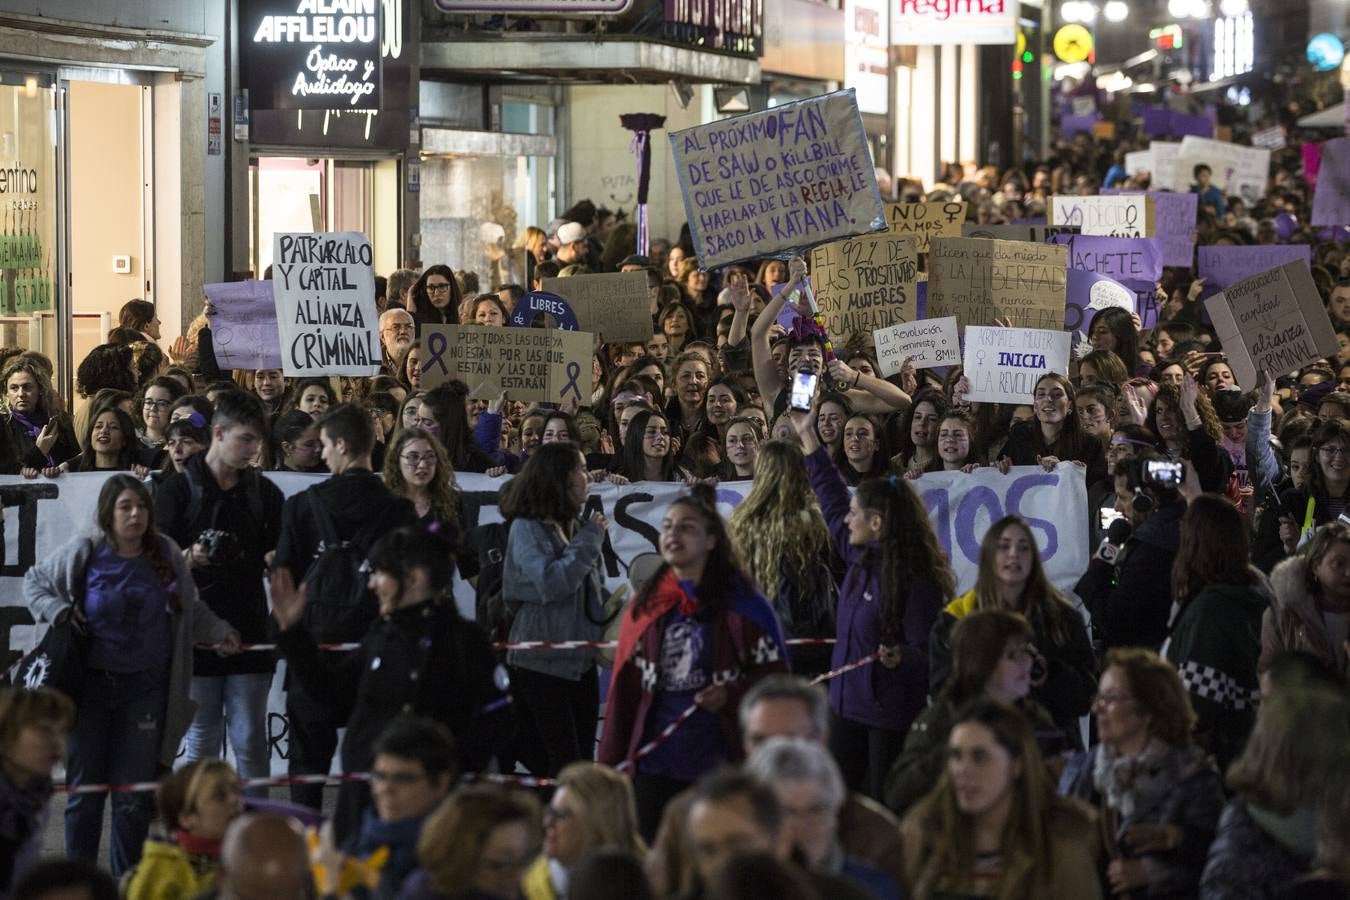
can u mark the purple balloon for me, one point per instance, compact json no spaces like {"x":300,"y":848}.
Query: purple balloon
{"x":1285,"y":223}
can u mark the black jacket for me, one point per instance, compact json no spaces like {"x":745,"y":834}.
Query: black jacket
{"x":361,"y":507}
{"x":251,"y":511}
{"x":1025,"y":445}
{"x":17,"y":449}
{"x":1131,"y":601}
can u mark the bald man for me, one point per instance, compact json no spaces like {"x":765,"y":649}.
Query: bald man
{"x":264,"y":857}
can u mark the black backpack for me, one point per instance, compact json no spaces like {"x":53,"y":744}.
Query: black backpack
{"x":490,"y":610}
{"x":339,"y":608}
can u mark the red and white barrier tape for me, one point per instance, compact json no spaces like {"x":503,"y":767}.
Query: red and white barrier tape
{"x":835,"y":673}
{"x":271,"y":781}
{"x":537,"y":645}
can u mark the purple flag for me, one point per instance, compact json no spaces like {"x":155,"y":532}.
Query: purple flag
{"x":1331,"y":199}
{"x":1224,"y":266}
{"x":1071,"y":125}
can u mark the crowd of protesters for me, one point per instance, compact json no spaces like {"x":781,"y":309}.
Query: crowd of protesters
{"x":1175,"y":726}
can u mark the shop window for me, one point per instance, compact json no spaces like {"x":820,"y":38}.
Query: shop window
{"x":28,"y":216}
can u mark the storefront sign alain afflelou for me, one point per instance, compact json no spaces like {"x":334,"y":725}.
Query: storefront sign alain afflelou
{"x":311,"y":54}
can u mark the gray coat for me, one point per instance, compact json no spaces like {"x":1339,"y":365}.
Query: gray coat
{"x":48,"y":591}
{"x":550,"y":585}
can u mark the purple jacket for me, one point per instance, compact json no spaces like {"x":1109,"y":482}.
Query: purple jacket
{"x":873,"y":695}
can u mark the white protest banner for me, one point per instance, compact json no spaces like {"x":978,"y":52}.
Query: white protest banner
{"x":1116,"y":215}
{"x":777,"y":182}
{"x":1273,"y":322}
{"x":980,"y":280}
{"x":1235,"y":169}
{"x":615,"y":304}
{"x":865,"y":283}
{"x":929,"y":342}
{"x":47,"y":513}
{"x":925,"y":221}
{"x":543,"y":364}
{"x":325,"y":304}
{"x":243,"y":319}
{"x":1004,"y":364}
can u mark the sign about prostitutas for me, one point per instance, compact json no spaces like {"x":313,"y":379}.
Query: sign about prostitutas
{"x":325,"y":298}
{"x":777,"y":182}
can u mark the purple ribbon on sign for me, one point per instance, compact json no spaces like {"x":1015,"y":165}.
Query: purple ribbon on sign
{"x":436,"y":346}
{"x":573,"y":373}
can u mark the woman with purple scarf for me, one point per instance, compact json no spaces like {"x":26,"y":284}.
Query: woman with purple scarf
{"x":36,"y":434}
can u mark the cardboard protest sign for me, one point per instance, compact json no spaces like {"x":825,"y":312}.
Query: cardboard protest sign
{"x":926,"y":221}
{"x":1117,"y":215}
{"x":929,"y":342}
{"x":1273,"y":322}
{"x":324,"y":295}
{"x":1331,"y":198}
{"x":980,"y":280}
{"x":244,"y":332}
{"x":615,"y":304}
{"x":864,"y":283}
{"x":1235,"y":169}
{"x":1038,"y":234}
{"x":779,"y":181}
{"x":1222,"y":266}
{"x":1004,"y":364}
{"x":1269,"y":139}
{"x":542,"y":364}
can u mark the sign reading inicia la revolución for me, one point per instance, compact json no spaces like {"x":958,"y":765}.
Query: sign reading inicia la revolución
{"x":311,"y":54}
{"x":954,"y":22}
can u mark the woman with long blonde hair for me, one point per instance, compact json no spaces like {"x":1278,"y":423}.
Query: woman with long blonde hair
{"x":782,"y":539}
{"x":993,"y":826}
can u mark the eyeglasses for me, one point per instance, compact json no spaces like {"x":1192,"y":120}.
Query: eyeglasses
{"x":442,"y":288}
{"x":1342,"y":452}
{"x":147,"y":403}
{"x":417,"y":459}
{"x":402,"y":329}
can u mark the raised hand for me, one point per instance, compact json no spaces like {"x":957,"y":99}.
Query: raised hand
{"x":288,"y":599}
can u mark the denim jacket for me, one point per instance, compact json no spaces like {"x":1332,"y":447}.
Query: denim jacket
{"x":554,"y":590}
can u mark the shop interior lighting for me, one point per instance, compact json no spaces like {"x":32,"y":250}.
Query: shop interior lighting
{"x":1116,"y":11}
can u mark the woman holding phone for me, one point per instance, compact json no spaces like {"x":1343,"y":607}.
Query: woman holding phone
{"x":39,"y":435}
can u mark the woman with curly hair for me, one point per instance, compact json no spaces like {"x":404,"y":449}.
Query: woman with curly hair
{"x":38,"y":435}
{"x":106,"y":366}
{"x":782,"y":538}
{"x":312,"y":395}
{"x":416,"y":467}
{"x":1183,"y":418}
{"x":897,"y":579}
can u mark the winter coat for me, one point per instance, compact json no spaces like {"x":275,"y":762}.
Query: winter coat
{"x":1215,"y":644}
{"x":747,"y":644}
{"x":167,"y":872}
{"x":1293,"y":624}
{"x":1131,"y":600}
{"x":1073,"y":850}
{"x":1248,"y":863}
{"x":361,"y":508}
{"x":23,"y":818}
{"x":1192,"y":802}
{"x":554,"y":589}
{"x":1025,"y":445}
{"x":49,"y":589}
{"x":1268,"y":548}
{"x":1070,"y":680}
{"x":251,"y":511}
{"x":18,"y":448}
{"x":873,"y":695}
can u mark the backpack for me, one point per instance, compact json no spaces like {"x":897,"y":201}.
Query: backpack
{"x":490,"y":610}
{"x":339,"y":608}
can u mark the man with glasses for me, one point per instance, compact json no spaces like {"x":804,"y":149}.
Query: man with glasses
{"x":346,"y":513}
{"x":397,"y":332}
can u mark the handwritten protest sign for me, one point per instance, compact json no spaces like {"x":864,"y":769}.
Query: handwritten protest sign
{"x":926,"y":221}
{"x":1003,"y":364}
{"x":1331,"y":199}
{"x":244,"y":330}
{"x":615,"y":304}
{"x":325,"y":304}
{"x":1088,"y":294}
{"x":1159,"y":162}
{"x":1269,"y":139}
{"x":1118,"y":215}
{"x":530,"y":363}
{"x":929,"y":342}
{"x":1124,"y":259}
{"x":864,"y":283}
{"x":1222,"y":266}
{"x":1235,"y":169}
{"x":1274,"y":322}
{"x":778,"y":181}
{"x":1039,"y":234}
{"x":980,"y":280}
{"x":1176,"y":214}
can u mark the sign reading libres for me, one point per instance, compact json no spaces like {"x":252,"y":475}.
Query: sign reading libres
{"x":311,"y":54}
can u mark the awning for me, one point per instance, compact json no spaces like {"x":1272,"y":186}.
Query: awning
{"x":617,"y":59}
{"x":1331,"y":117}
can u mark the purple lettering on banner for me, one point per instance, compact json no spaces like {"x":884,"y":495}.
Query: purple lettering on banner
{"x":1123,"y":259}
{"x":1071,"y":125}
{"x":1331,"y":199}
{"x":1223,"y":267}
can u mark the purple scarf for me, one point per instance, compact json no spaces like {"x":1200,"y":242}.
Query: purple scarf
{"x":34,"y":428}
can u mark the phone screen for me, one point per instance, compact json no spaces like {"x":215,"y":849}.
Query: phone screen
{"x":803,"y":390}
{"x":1164,"y":472}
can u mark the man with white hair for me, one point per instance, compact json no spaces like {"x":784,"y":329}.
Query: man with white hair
{"x":397,"y":331}
{"x":811,"y":793}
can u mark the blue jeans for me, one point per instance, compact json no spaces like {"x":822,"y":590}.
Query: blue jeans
{"x":239,"y":703}
{"x":115,"y":740}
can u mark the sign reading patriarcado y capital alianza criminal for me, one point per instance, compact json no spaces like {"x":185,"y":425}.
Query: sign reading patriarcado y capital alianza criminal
{"x":311,"y":54}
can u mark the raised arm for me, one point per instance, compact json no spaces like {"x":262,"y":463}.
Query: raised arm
{"x":867,"y":393}
{"x":767,"y":379}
